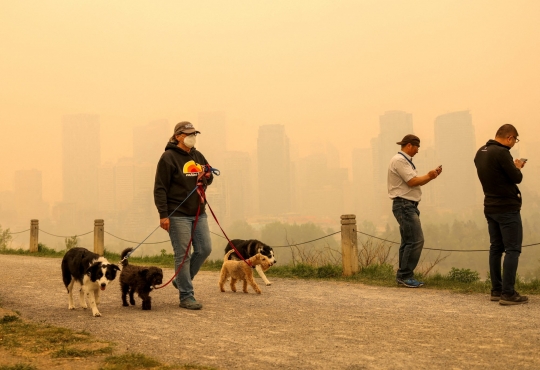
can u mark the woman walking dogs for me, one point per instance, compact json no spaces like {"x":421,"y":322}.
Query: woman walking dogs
{"x":177,"y":175}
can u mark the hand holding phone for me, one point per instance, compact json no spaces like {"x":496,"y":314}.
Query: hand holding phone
{"x":523,"y":160}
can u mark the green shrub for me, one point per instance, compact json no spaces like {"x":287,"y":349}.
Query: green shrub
{"x":463,"y":275}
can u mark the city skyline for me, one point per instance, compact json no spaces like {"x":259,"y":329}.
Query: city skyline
{"x":127,"y":184}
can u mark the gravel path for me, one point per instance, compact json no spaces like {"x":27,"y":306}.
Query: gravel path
{"x":294,"y":324}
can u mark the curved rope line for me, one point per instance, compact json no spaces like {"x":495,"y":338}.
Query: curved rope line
{"x":65,"y":236}
{"x":18,"y":232}
{"x":131,"y":241}
{"x":443,"y":250}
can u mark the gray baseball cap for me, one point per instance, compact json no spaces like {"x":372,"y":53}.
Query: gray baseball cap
{"x":184,"y":127}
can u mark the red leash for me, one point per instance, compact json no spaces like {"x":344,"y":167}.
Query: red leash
{"x":202,"y":196}
{"x":230,"y":243}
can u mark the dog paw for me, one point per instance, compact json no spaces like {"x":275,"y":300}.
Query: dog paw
{"x":97,"y":314}
{"x":85,"y":307}
{"x":71,"y":307}
{"x":268,"y":284}
{"x":125,"y":304}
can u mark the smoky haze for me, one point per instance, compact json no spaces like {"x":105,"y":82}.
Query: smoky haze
{"x":299,"y":104}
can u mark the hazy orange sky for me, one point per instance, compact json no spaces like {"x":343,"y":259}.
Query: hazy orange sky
{"x":324,"y":69}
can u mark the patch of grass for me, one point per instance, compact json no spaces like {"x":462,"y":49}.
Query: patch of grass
{"x":43,"y":251}
{"x":67,"y":352}
{"x":18,"y":367}
{"x":9,"y":318}
{"x":129,"y":361}
{"x":36,"y":338}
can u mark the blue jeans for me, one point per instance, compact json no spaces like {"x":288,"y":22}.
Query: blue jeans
{"x":180,"y":233}
{"x":505,"y":235}
{"x":412,"y":237}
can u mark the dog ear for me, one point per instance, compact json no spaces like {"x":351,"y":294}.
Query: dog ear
{"x":116,"y":267}
{"x":143,"y":272}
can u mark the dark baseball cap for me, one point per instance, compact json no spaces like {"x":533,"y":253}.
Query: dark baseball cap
{"x":185,"y":127}
{"x":410,"y":139}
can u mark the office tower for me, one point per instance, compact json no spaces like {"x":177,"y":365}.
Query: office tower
{"x":362,"y":183}
{"x":28,"y":190}
{"x":81,"y":157}
{"x":212,"y":142}
{"x":394,"y":125}
{"x":426,"y":160}
{"x":149,"y":141}
{"x":124,"y":180}
{"x":238,"y":185}
{"x":456,"y":147}
{"x":106,"y":189}
{"x":273,"y":170}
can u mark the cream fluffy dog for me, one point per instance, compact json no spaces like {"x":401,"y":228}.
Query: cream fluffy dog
{"x":239,"y":270}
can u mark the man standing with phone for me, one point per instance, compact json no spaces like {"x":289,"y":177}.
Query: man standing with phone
{"x":404,"y":190}
{"x":499,"y":175}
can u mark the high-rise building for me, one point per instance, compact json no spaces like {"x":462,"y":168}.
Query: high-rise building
{"x":273,"y":165}
{"x":81,"y":158}
{"x":394,"y":125}
{"x":124,"y":181}
{"x":28,"y":190}
{"x":212,"y":142}
{"x":149,"y":141}
{"x":362,"y":183}
{"x":239,"y":189}
{"x":106,"y":189}
{"x":455,"y":146}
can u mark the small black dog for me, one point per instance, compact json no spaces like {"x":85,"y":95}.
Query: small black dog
{"x":140,"y":279}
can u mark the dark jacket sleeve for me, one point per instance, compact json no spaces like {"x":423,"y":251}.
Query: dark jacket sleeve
{"x":508,"y":166}
{"x":164,"y":174}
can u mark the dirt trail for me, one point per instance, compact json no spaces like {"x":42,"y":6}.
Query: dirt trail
{"x":294,"y":324}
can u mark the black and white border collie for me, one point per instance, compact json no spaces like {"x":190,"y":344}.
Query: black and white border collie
{"x":248,"y":249}
{"x":90,"y":270}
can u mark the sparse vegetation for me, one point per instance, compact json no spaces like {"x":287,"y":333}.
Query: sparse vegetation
{"x":71,"y":242}
{"x":45,"y":343}
{"x":5,"y":238}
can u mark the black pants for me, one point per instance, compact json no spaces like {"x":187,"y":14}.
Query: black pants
{"x":505,"y":235}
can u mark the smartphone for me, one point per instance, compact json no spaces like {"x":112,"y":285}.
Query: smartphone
{"x":523,"y":160}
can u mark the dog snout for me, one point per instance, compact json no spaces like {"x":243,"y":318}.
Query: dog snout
{"x":103,"y":285}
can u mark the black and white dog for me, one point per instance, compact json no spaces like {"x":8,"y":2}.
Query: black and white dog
{"x":90,"y":270}
{"x":249,"y":248}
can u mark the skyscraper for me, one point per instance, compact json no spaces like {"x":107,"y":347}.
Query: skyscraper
{"x":273,"y":170}
{"x":455,"y":147}
{"x":81,"y":157}
{"x":27,"y":185}
{"x":149,"y":141}
{"x":213,"y":139}
{"x":394,"y":125}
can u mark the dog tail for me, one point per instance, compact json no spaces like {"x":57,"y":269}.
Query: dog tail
{"x":124,"y":254}
{"x":228,"y":255}
{"x":66,"y":275}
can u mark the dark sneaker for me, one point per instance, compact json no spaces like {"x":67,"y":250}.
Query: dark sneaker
{"x":495,"y":296}
{"x":507,"y":300}
{"x":174,"y":283}
{"x":410,"y":283}
{"x":190,"y":303}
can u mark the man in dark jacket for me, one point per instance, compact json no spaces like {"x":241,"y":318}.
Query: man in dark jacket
{"x":177,"y":175}
{"x":499,"y":175}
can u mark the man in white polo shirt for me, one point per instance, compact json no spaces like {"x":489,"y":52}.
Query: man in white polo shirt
{"x":404,"y":190}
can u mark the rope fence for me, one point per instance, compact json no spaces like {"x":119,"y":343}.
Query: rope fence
{"x":65,"y":236}
{"x":349,"y":243}
{"x":18,"y":232}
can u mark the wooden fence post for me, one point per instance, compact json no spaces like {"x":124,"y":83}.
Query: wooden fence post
{"x":34,"y":235}
{"x":99,"y":236}
{"x":349,"y":245}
